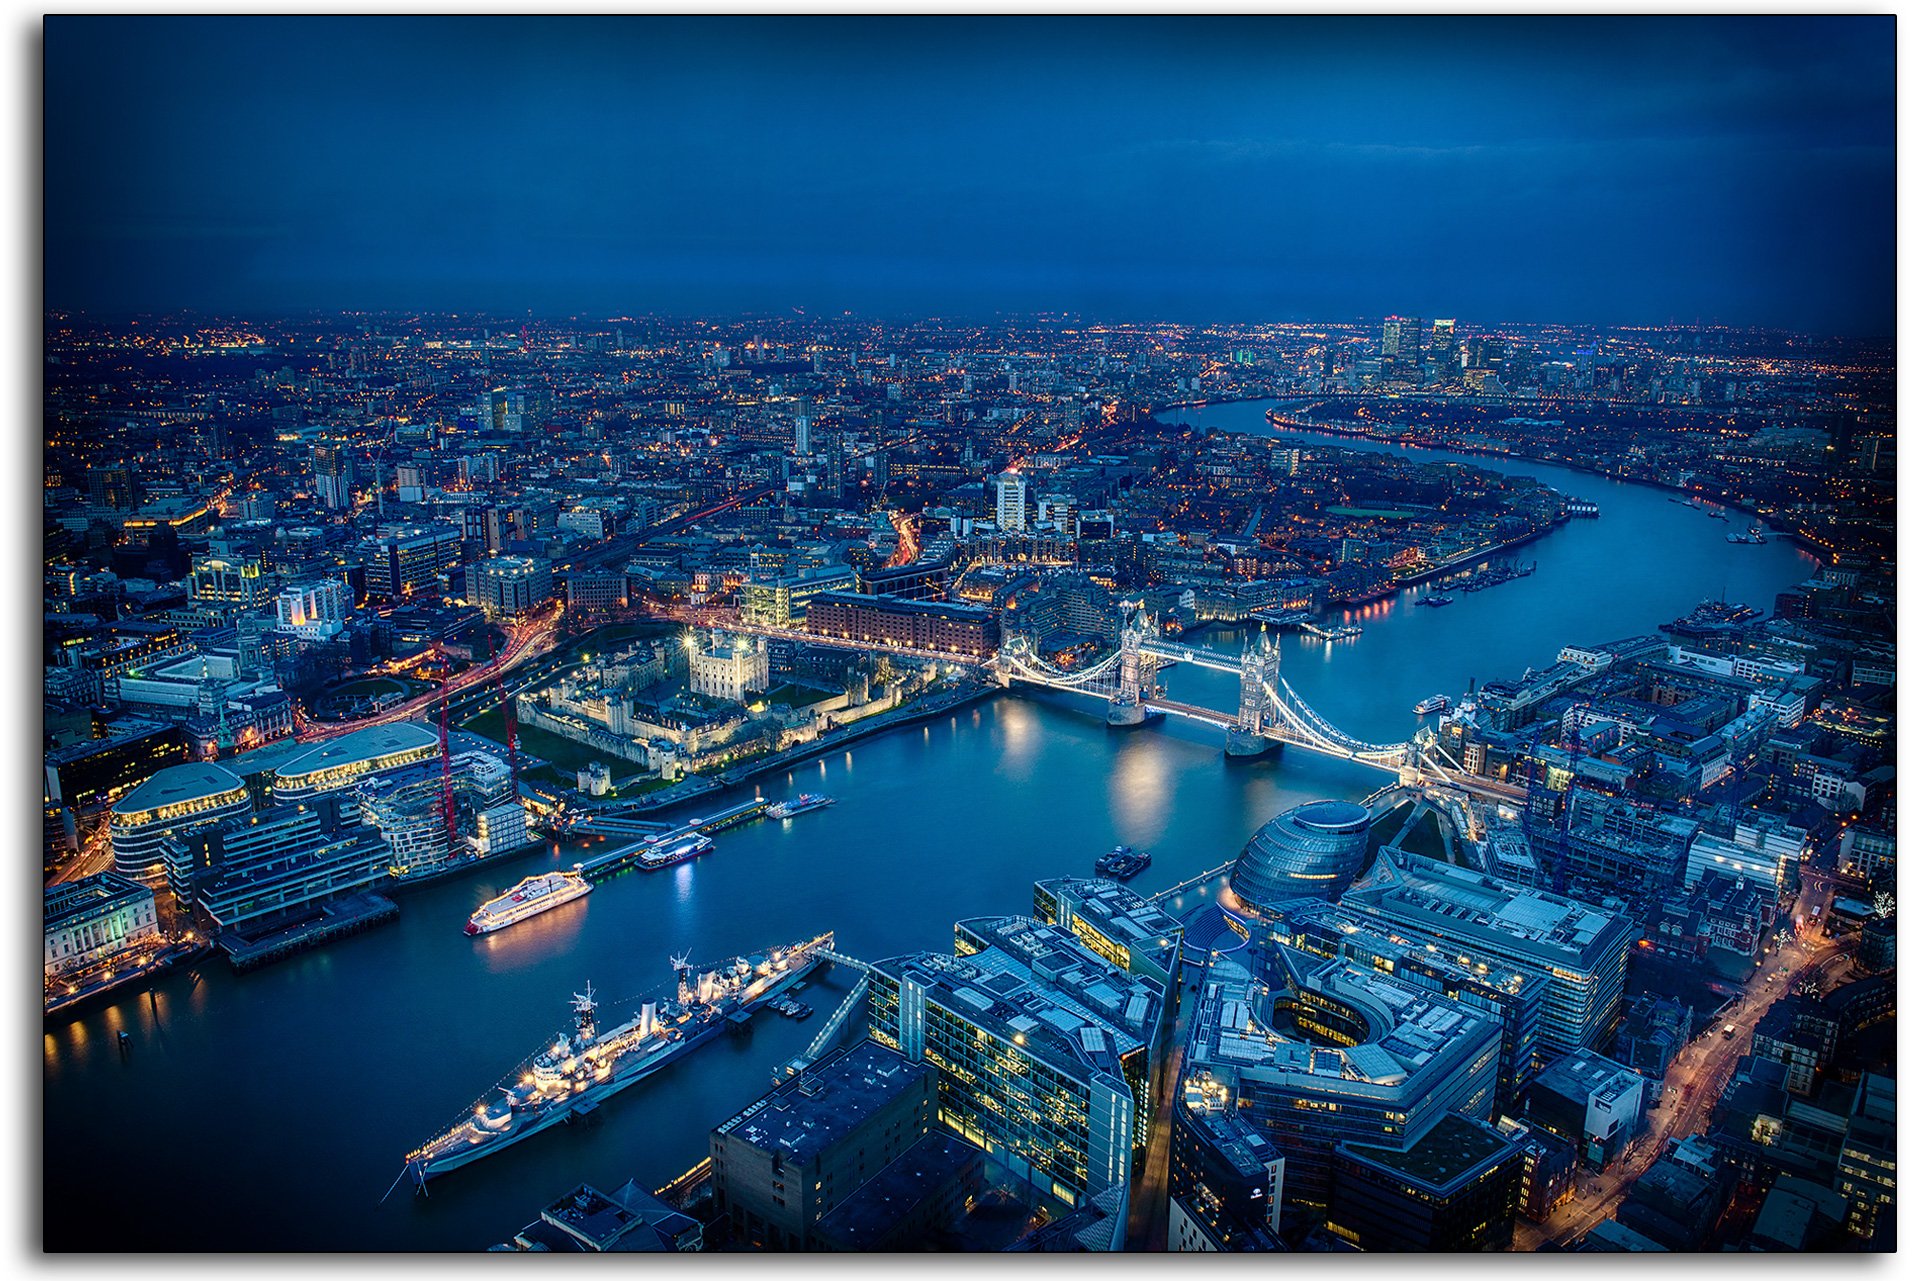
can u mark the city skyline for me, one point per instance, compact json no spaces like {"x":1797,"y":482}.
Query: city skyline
{"x":1282,"y":629}
{"x":1609,"y":171}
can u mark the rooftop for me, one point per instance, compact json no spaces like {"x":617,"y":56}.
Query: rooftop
{"x":360,"y":747}
{"x":864,"y":1219}
{"x":844,"y":1091}
{"x":1478,"y":909}
{"x":91,"y":894}
{"x":1453,"y":1149}
{"x":178,"y":784}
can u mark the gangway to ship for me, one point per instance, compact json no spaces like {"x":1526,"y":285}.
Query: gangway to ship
{"x":828,"y":1034}
{"x":835,"y":1025}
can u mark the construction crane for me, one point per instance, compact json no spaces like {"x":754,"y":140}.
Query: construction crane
{"x":506,"y":716}
{"x":446,"y":782}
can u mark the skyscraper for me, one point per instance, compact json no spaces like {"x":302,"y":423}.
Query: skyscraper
{"x":333,"y":475}
{"x":1010,"y":511}
{"x":1401,"y":343}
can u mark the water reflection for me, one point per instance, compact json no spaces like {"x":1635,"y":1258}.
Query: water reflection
{"x":526,"y":944}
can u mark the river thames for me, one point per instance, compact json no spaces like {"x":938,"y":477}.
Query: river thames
{"x":272,"y":1111}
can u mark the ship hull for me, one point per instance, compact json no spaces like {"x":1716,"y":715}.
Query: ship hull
{"x":559,"y":1110}
{"x":547,"y":904}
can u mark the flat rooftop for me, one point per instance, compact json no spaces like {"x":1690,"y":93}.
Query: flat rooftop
{"x":864,"y":1219}
{"x":846,"y":1090}
{"x":1454,"y":1148}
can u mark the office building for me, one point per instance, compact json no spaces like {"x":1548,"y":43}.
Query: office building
{"x":149,"y":822}
{"x":299,"y":773}
{"x":1331,"y":1053}
{"x":408,"y":561}
{"x":507,"y":585}
{"x":407,"y":807}
{"x":1582,"y":951}
{"x":228,"y":583}
{"x":257,"y":870}
{"x":102,"y":769}
{"x":596,"y":589}
{"x":1115,"y":924}
{"x":1591,"y":1102}
{"x":911,"y":1203}
{"x":1455,"y":1190}
{"x":1225,"y":1183}
{"x":783,"y":601}
{"x":784,"y":1162}
{"x":1041,"y":1048}
{"x":1766,"y":854}
{"x":1508,"y":993}
{"x":96,"y":919}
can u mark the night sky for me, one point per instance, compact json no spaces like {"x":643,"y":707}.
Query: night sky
{"x":1611,"y":171}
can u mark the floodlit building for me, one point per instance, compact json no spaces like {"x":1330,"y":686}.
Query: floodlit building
{"x":314,"y":610}
{"x":96,"y":918}
{"x":727,"y":667}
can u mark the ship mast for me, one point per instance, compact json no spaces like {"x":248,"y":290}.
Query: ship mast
{"x":583,"y":1008}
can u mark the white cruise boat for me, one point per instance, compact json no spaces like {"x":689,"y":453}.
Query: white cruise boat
{"x":530,"y":897}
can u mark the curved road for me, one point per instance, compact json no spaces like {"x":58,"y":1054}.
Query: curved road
{"x":1692,"y":1087}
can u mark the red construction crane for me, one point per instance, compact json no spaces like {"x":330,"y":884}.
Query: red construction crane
{"x":506,"y":715}
{"x":446,"y":783}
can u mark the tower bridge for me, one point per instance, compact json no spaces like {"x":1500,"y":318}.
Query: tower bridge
{"x":1270,"y":713}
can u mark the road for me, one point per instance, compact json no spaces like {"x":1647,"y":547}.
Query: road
{"x":1692,"y":1087}
{"x":529,"y":638}
{"x":1147,"y":1203}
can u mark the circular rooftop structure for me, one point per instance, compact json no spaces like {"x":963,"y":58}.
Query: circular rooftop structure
{"x":1312,"y":850}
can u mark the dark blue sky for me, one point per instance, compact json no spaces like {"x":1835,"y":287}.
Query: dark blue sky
{"x":1600,"y":170}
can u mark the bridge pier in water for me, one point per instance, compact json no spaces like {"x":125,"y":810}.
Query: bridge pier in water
{"x":1245,"y":744}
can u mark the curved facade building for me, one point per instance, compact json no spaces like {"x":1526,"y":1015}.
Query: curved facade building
{"x":150,"y":820}
{"x":1313,"y":849}
{"x":342,"y":763}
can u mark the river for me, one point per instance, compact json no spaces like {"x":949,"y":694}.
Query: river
{"x":271,"y":1111}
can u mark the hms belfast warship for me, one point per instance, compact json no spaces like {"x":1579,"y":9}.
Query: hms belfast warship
{"x":584,"y":1066}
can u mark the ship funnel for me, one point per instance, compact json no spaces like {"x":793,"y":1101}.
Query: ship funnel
{"x":649,"y":1019}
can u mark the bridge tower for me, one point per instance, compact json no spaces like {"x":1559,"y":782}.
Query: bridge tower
{"x":1135,"y":676}
{"x":1259,"y":672}
{"x":1126,"y":706}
